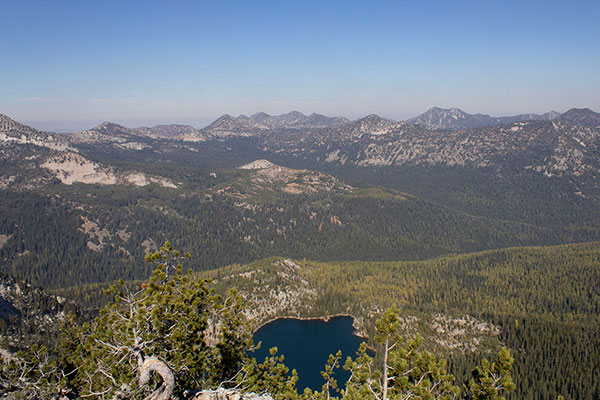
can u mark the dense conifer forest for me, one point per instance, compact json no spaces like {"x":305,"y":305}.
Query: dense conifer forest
{"x":544,"y":300}
{"x":195,"y":340}
{"x":82,"y":234}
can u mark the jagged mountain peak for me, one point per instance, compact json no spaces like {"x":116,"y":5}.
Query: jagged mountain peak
{"x":441,"y":109}
{"x":6,"y":119}
{"x":9,"y":124}
{"x":581,"y":116}
{"x":108,"y":126}
{"x":373,"y":118}
{"x":456,"y":119}
{"x":451,"y":111}
{"x":443,"y":118}
{"x":576,"y":110}
{"x":226,"y":117}
{"x":295,"y":114}
{"x":14,"y":132}
{"x":259,"y":115}
{"x":224,"y":122}
{"x":259,"y":122}
{"x":372,"y":124}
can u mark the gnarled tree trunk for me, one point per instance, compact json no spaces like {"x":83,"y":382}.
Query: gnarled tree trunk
{"x":153,"y":364}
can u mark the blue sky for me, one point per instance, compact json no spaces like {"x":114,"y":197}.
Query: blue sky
{"x":73,"y":64}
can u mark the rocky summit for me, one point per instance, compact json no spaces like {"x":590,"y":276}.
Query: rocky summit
{"x":454,"y":119}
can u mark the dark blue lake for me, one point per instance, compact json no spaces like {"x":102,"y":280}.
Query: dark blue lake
{"x":307,"y":344}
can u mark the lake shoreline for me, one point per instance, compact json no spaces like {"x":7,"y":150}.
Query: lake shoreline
{"x":356,"y":331}
{"x":307,"y":342}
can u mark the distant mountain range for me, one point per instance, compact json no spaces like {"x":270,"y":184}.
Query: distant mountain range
{"x":31,"y":158}
{"x":434,"y":118}
{"x":550,"y":144}
{"x":581,"y":116}
{"x":109,"y":132}
{"x":311,"y":192}
{"x":454,"y":119}
{"x":248,"y":126}
{"x":566,"y":145}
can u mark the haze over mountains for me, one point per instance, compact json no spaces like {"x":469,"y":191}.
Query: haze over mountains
{"x":454,"y":118}
{"x":31,"y":158}
{"x":434,"y":118}
{"x":228,"y":125}
{"x":549,"y":144}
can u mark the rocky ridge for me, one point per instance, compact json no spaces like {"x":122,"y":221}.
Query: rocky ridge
{"x":33,"y":158}
{"x":124,"y":138}
{"x":581,"y":116}
{"x":186,"y":133}
{"x":13,"y":132}
{"x":455,"y":119}
{"x":554,"y":148}
{"x":109,"y":133}
{"x":27,"y":308}
{"x":264,"y":176}
{"x":274,"y":287}
{"x":551,"y":145}
{"x":256,"y":124}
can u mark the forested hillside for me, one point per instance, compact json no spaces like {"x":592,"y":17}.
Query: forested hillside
{"x":545,"y":301}
{"x":68,"y":235}
{"x":541,"y":302}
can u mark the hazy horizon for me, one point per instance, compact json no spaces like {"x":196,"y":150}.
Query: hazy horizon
{"x":72,"y":126}
{"x":72,"y":65}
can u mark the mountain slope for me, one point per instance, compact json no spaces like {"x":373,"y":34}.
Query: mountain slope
{"x":254,"y":125}
{"x":541,"y":302}
{"x":32,"y":159}
{"x":582,"y":116}
{"x":15,"y":133}
{"x":541,"y":172}
{"x":455,"y":119}
{"x":28,"y":314}
{"x":134,"y":138}
{"x":68,"y":235}
{"x":533,"y":182}
{"x":185,"y":133}
{"x":552,"y":147}
{"x":109,"y":133}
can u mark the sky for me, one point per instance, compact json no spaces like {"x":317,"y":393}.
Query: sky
{"x":70,"y":65}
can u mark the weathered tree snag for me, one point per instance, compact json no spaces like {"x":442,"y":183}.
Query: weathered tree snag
{"x":165,"y":391}
{"x":230,"y":394}
{"x":153,"y":364}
